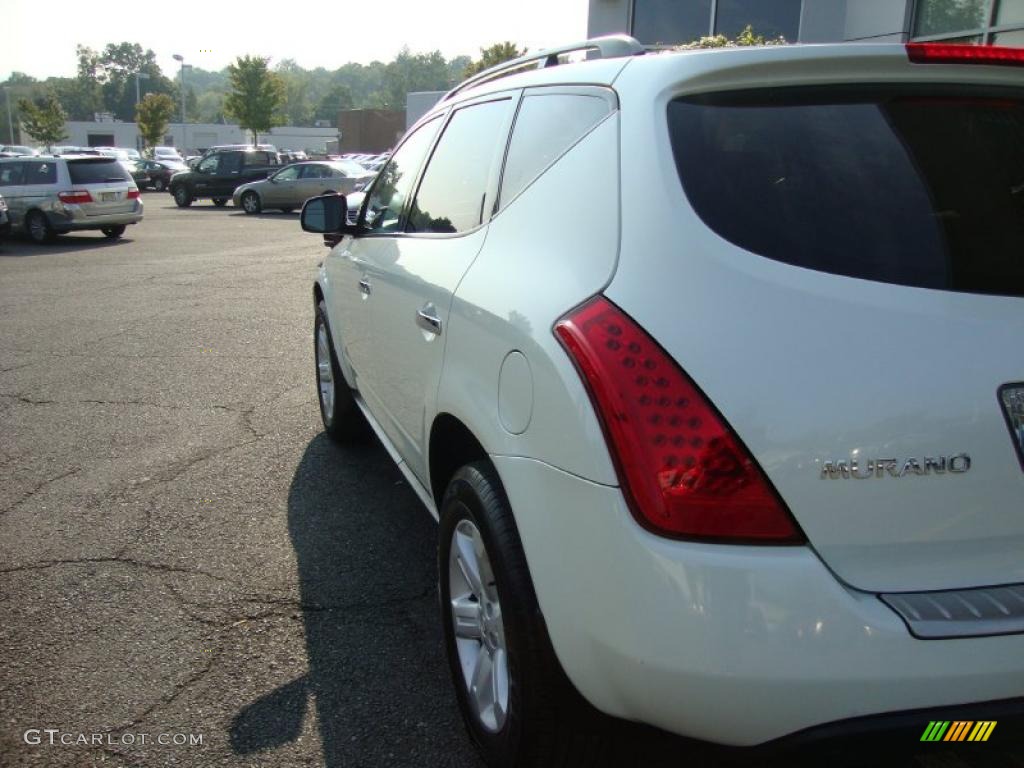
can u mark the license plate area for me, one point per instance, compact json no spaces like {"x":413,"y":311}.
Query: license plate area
{"x":108,"y":197}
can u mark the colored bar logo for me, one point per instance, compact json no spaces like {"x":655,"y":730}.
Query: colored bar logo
{"x":958,"y":730}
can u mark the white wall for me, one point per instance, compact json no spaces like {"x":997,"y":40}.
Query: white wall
{"x":202,"y":135}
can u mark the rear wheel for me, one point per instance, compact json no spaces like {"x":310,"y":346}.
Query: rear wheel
{"x":113,"y":233}
{"x":220,"y":202}
{"x":182,"y":197}
{"x":343,"y":420}
{"x":517,"y":704}
{"x":251,"y":203}
{"x":38,"y":228}
{"x":159,"y":185}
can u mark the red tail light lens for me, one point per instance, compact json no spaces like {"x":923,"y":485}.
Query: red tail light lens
{"x":953,"y":53}
{"x":133,"y":194}
{"x":75,"y":196}
{"x":683,"y":470}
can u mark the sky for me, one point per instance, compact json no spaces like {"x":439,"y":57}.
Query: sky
{"x":314,"y":33}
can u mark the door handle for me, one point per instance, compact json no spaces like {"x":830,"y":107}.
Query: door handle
{"x":427,"y":319}
{"x":364,"y":286}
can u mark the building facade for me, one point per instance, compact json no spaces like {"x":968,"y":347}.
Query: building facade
{"x":671,"y":22}
{"x":196,"y":136}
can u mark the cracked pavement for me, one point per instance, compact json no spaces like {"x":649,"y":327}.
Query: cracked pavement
{"x":181,"y":550}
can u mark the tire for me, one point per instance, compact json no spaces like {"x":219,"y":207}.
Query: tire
{"x":251,"y":203}
{"x":543,"y":720}
{"x":220,"y":202}
{"x":38,"y":228}
{"x":182,"y":197}
{"x":113,"y":233}
{"x":343,"y":421}
{"x":159,"y":185}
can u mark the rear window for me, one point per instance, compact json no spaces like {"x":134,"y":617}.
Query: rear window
{"x":917,"y":188}
{"x":97,"y":171}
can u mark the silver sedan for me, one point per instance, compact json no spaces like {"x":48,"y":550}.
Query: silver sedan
{"x":291,"y":186}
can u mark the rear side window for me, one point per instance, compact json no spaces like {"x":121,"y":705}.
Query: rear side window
{"x":453,"y":193}
{"x":547,"y":125}
{"x":96,"y":171}
{"x":39,"y":173}
{"x":918,"y":188}
{"x":10,"y":174}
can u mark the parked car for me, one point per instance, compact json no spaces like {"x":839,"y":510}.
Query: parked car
{"x":166,"y":153}
{"x":5,"y":219}
{"x":218,"y":174}
{"x":17,"y":150}
{"x":291,"y":186}
{"x":160,"y":172}
{"x":708,"y":378}
{"x":139,"y":174}
{"x":48,"y":196}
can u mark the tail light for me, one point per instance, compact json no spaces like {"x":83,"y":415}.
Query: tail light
{"x":133,"y":194}
{"x":683,"y":471}
{"x":959,"y":53}
{"x":75,"y":196}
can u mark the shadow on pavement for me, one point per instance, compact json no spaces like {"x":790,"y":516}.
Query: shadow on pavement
{"x":20,"y":245}
{"x":366,"y":553}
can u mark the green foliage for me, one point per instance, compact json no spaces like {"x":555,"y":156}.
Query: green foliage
{"x":43,"y":119}
{"x":744,"y":38}
{"x":256,"y":94}
{"x":335,"y":100}
{"x":152,"y":116}
{"x":492,"y":56}
{"x":940,"y":16}
{"x":411,"y":72}
{"x":106,"y":79}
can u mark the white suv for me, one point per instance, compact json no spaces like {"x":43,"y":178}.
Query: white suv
{"x":708,"y":363}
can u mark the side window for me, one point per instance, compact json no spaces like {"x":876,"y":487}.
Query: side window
{"x":10,"y":174}
{"x":209,"y":165}
{"x":256,"y":158}
{"x":394,"y":184}
{"x":313,"y":171}
{"x":289,"y":173}
{"x":547,"y":125}
{"x":453,"y":192}
{"x":230,"y":162}
{"x":39,"y":173}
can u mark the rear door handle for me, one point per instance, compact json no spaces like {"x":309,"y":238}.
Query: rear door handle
{"x":427,"y":319}
{"x":364,"y":287}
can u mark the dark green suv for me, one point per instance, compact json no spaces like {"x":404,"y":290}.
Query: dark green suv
{"x":217,"y":175}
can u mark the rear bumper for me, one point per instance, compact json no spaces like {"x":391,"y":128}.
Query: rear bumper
{"x":731,"y":644}
{"x":72,"y":218}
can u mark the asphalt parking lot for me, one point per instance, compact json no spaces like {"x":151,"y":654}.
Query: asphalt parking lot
{"x":182,"y":552}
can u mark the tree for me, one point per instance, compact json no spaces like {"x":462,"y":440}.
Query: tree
{"x":43,"y":119}
{"x":490,"y":57}
{"x":152,"y":116}
{"x":339,"y":97}
{"x":256,"y":93}
{"x":745,"y":38}
{"x":414,"y":72}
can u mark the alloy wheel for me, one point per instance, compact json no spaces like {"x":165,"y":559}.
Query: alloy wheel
{"x":324,"y":372}
{"x":478,"y":628}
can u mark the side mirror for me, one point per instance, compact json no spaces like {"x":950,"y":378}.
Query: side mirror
{"x":327,"y":215}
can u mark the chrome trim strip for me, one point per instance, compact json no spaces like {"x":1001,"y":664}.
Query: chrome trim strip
{"x":962,"y":612}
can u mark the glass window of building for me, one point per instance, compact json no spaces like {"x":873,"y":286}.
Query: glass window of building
{"x":670,"y":22}
{"x":998,"y":22}
{"x":768,"y":18}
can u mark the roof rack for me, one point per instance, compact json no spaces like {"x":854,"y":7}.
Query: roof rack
{"x":607,"y":47}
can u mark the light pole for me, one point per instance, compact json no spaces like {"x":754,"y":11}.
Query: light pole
{"x":139,"y":76}
{"x":10,"y":121}
{"x":180,"y":58}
